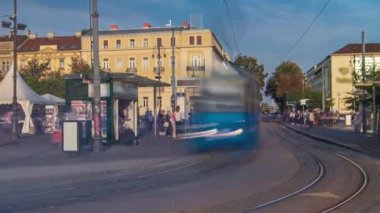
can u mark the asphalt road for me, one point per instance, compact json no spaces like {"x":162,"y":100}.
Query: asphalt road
{"x":287,"y":172}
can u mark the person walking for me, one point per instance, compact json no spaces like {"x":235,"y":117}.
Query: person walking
{"x":310,"y":119}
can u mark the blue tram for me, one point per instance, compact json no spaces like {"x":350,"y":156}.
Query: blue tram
{"x":227,"y":111}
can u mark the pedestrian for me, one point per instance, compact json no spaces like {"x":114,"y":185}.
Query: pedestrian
{"x":310,"y":119}
{"x":179,"y":118}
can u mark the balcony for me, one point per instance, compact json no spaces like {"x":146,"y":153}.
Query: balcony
{"x":195,"y":68}
{"x":195,"y":71}
{"x":132,"y":69}
{"x":159,"y":70}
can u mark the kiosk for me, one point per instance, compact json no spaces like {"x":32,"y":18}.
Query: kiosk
{"x":119,"y":110}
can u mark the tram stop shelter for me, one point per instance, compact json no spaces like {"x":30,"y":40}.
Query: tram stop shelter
{"x":119,"y":107}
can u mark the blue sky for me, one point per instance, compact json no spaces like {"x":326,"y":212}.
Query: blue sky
{"x":265,"y":29}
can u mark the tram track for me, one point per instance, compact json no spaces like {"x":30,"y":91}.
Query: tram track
{"x":356,"y":193}
{"x":291,"y":197}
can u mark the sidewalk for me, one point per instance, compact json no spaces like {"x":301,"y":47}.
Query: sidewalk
{"x":366,"y":144}
{"x":38,"y":150}
{"x":36,"y":157}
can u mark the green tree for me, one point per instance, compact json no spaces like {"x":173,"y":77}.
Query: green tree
{"x":251,"y":65}
{"x":79,"y":66}
{"x":286,"y":80}
{"x":315,"y":98}
{"x":42,"y":81}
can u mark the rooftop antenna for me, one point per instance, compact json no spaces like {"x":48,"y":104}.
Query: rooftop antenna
{"x":169,"y":24}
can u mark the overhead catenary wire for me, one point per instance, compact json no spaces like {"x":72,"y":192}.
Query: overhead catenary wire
{"x":232,"y":25}
{"x":307,"y":29}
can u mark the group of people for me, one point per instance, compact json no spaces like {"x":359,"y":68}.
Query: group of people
{"x":167,"y":122}
{"x":306,"y":118}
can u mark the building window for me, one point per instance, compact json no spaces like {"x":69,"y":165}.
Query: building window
{"x":62,"y":63}
{"x":105,"y":44}
{"x":118,"y":63}
{"x":146,"y":102}
{"x":191,"y":40}
{"x":159,"y":42}
{"x":145,"y":43}
{"x":196,"y":60}
{"x":132,"y":62}
{"x":199,"y":40}
{"x":132,"y":43}
{"x":118,"y":44}
{"x":106,"y":63}
{"x":145,"y":63}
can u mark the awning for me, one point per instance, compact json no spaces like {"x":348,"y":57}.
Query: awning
{"x":127,"y":78}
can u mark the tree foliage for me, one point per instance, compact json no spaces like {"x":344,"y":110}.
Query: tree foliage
{"x":42,"y":81}
{"x":251,"y":65}
{"x":287,"y":79}
{"x":79,"y":66}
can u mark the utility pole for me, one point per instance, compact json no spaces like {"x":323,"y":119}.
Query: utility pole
{"x":97,"y":146}
{"x":363,"y":90}
{"x":174,"y":89}
{"x":14,"y":100}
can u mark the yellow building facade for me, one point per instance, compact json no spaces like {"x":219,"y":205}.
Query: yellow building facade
{"x":58,"y":51}
{"x":6,"y":51}
{"x":148,"y":50}
{"x":337,"y":71}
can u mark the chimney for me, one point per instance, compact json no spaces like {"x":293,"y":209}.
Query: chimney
{"x":32,"y":36}
{"x":185,"y":24}
{"x":78,"y":34}
{"x":114,"y":27}
{"x":50,"y":35}
{"x":147,"y":25}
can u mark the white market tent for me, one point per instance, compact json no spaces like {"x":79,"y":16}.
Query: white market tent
{"x":26,"y":97}
{"x":53,"y":99}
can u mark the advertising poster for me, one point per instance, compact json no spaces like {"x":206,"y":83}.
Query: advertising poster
{"x":103,"y":118}
{"x":49,"y":119}
{"x":79,"y":108}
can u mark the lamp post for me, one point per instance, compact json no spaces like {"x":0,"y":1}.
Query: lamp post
{"x":159,"y":71}
{"x":15,"y":27}
{"x":174,"y":88}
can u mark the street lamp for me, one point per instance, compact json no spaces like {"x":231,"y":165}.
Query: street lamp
{"x":159,"y":71}
{"x":14,"y":28}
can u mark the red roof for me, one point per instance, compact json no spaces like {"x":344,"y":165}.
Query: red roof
{"x":62,"y":42}
{"x":357,"y":48}
{"x":20,"y":38}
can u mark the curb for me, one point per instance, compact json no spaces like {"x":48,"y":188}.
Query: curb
{"x":326,"y":140}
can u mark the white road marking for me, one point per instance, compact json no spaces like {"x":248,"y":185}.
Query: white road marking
{"x":322,"y":195}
